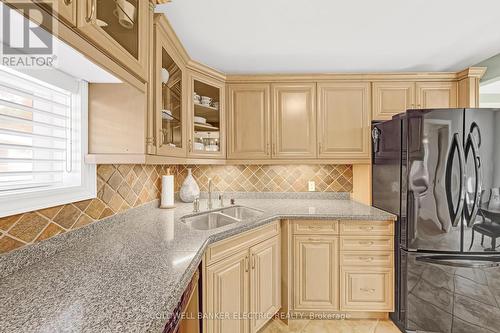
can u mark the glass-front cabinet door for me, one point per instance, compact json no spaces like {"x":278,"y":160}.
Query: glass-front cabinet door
{"x":120,"y":28}
{"x":170,"y":97}
{"x":206,"y":121}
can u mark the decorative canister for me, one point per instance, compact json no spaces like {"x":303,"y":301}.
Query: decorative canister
{"x":189,"y":189}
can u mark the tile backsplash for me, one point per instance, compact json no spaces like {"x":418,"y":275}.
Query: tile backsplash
{"x":121,"y":187}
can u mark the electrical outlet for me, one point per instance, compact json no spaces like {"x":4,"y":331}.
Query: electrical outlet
{"x":311,"y":186}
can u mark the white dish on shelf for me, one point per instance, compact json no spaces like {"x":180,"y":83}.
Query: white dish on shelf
{"x":200,"y":120}
{"x":199,"y":146}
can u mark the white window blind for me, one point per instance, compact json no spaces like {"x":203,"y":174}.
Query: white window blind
{"x":35,"y":133}
{"x":41,"y":143}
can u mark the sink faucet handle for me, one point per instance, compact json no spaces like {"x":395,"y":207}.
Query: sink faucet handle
{"x":221,"y":200}
{"x":196,"y":205}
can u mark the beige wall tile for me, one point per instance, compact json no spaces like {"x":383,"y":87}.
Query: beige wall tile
{"x":120,"y":187}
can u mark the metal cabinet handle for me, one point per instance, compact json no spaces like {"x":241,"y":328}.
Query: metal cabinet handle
{"x":90,"y":15}
{"x":246,"y":264}
{"x":369,"y":259}
{"x":367,"y":290}
{"x":369,"y":227}
{"x":367,"y":243}
{"x":190,"y":145}
{"x":320,"y":147}
{"x":274,"y":149}
{"x":267,"y":148}
{"x":253,"y":261}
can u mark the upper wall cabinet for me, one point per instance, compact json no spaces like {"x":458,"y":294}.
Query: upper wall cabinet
{"x":170,"y":82}
{"x":344,"y":120}
{"x":434,"y":95}
{"x":249,"y":121}
{"x":118,"y":27}
{"x":294,"y":120}
{"x":207,"y":119}
{"x":391,"y":98}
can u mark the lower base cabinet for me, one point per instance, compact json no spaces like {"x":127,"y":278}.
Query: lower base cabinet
{"x":343,"y":266}
{"x":366,"y":288}
{"x":316,"y":271}
{"x":243,"y":290}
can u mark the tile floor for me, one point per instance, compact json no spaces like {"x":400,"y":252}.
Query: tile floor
{"x":332,"y":326}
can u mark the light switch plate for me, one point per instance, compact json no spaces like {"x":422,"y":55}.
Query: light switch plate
{"x":311,"y":185}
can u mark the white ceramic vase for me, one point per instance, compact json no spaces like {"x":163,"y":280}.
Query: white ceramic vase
{"x":189,"y":189}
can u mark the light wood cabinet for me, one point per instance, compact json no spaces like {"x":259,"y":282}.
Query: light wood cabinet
{"x":316,"y":273}
{"x":206,"y":140}
{"x":65,"y":10}
{"x":119,"y":28}
{"x":391,"y":98}
{"x":344,"y":117}
{"x":345,"y":265}
{"x":294,"y":120}
{"x":265,"y":281}
{"x":249,"y":121}
{"x":226,"y":292}
{"x":170,"y":98}
{"x":435,"y":95}
{"x":365,"y":288}
{"x":243,"y":275}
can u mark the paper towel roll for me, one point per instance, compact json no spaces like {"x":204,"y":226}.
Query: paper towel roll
{"x":167,"y":191}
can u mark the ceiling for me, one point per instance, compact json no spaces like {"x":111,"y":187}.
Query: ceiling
{"x":312,"y":36}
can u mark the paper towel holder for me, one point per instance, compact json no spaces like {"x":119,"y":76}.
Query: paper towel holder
{"x":167,"y":195}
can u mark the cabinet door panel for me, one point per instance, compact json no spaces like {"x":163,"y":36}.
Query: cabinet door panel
{"x":294,"y":120}
{"x":265,"y":282}
{"x":316,"y":273}
{"x":367,"y":289}
{"x":227,"y":291}
{"x":344,"y":112}
{"x":120,"y":28}
{"x":249,"y":120}
{"x":436,"y":95}
{"x":391,"y":98}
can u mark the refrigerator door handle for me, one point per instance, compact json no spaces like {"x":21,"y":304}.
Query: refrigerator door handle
{"x":456,"y":146}
{"x":462,"y":261}
{"x":473,"y":146}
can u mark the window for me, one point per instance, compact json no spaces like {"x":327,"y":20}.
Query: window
{"x":43,"y":133}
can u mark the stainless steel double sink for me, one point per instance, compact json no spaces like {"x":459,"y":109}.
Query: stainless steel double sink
{"x":221,"y":217}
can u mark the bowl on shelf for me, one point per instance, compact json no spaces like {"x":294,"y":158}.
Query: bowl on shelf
{"x":166,"y":114}
{"x":200,"y":120}
{"x":205,"y":100}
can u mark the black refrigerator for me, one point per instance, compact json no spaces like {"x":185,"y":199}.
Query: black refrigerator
{"x":439,"y":172}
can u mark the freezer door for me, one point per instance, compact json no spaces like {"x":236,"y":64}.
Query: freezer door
{"x":435,"y":179}
{"x":453,"y":294}
{"x":482,"y":190}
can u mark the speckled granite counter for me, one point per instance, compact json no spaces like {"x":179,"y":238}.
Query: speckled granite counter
{"x":127,"y":273}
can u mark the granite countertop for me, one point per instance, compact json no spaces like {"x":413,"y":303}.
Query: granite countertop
{"x":128,"y":272}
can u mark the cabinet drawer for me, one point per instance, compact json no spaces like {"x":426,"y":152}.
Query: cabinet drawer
{"x":308,"y":227}
{"x":367,"y":258}
{"x":363,"y":243}
{"x":383,"y":228}
{"x":367,"y":289}
{"x":227,"y":247}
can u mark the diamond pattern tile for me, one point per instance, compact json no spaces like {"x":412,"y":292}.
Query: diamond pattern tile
{"x":121,"y":187}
